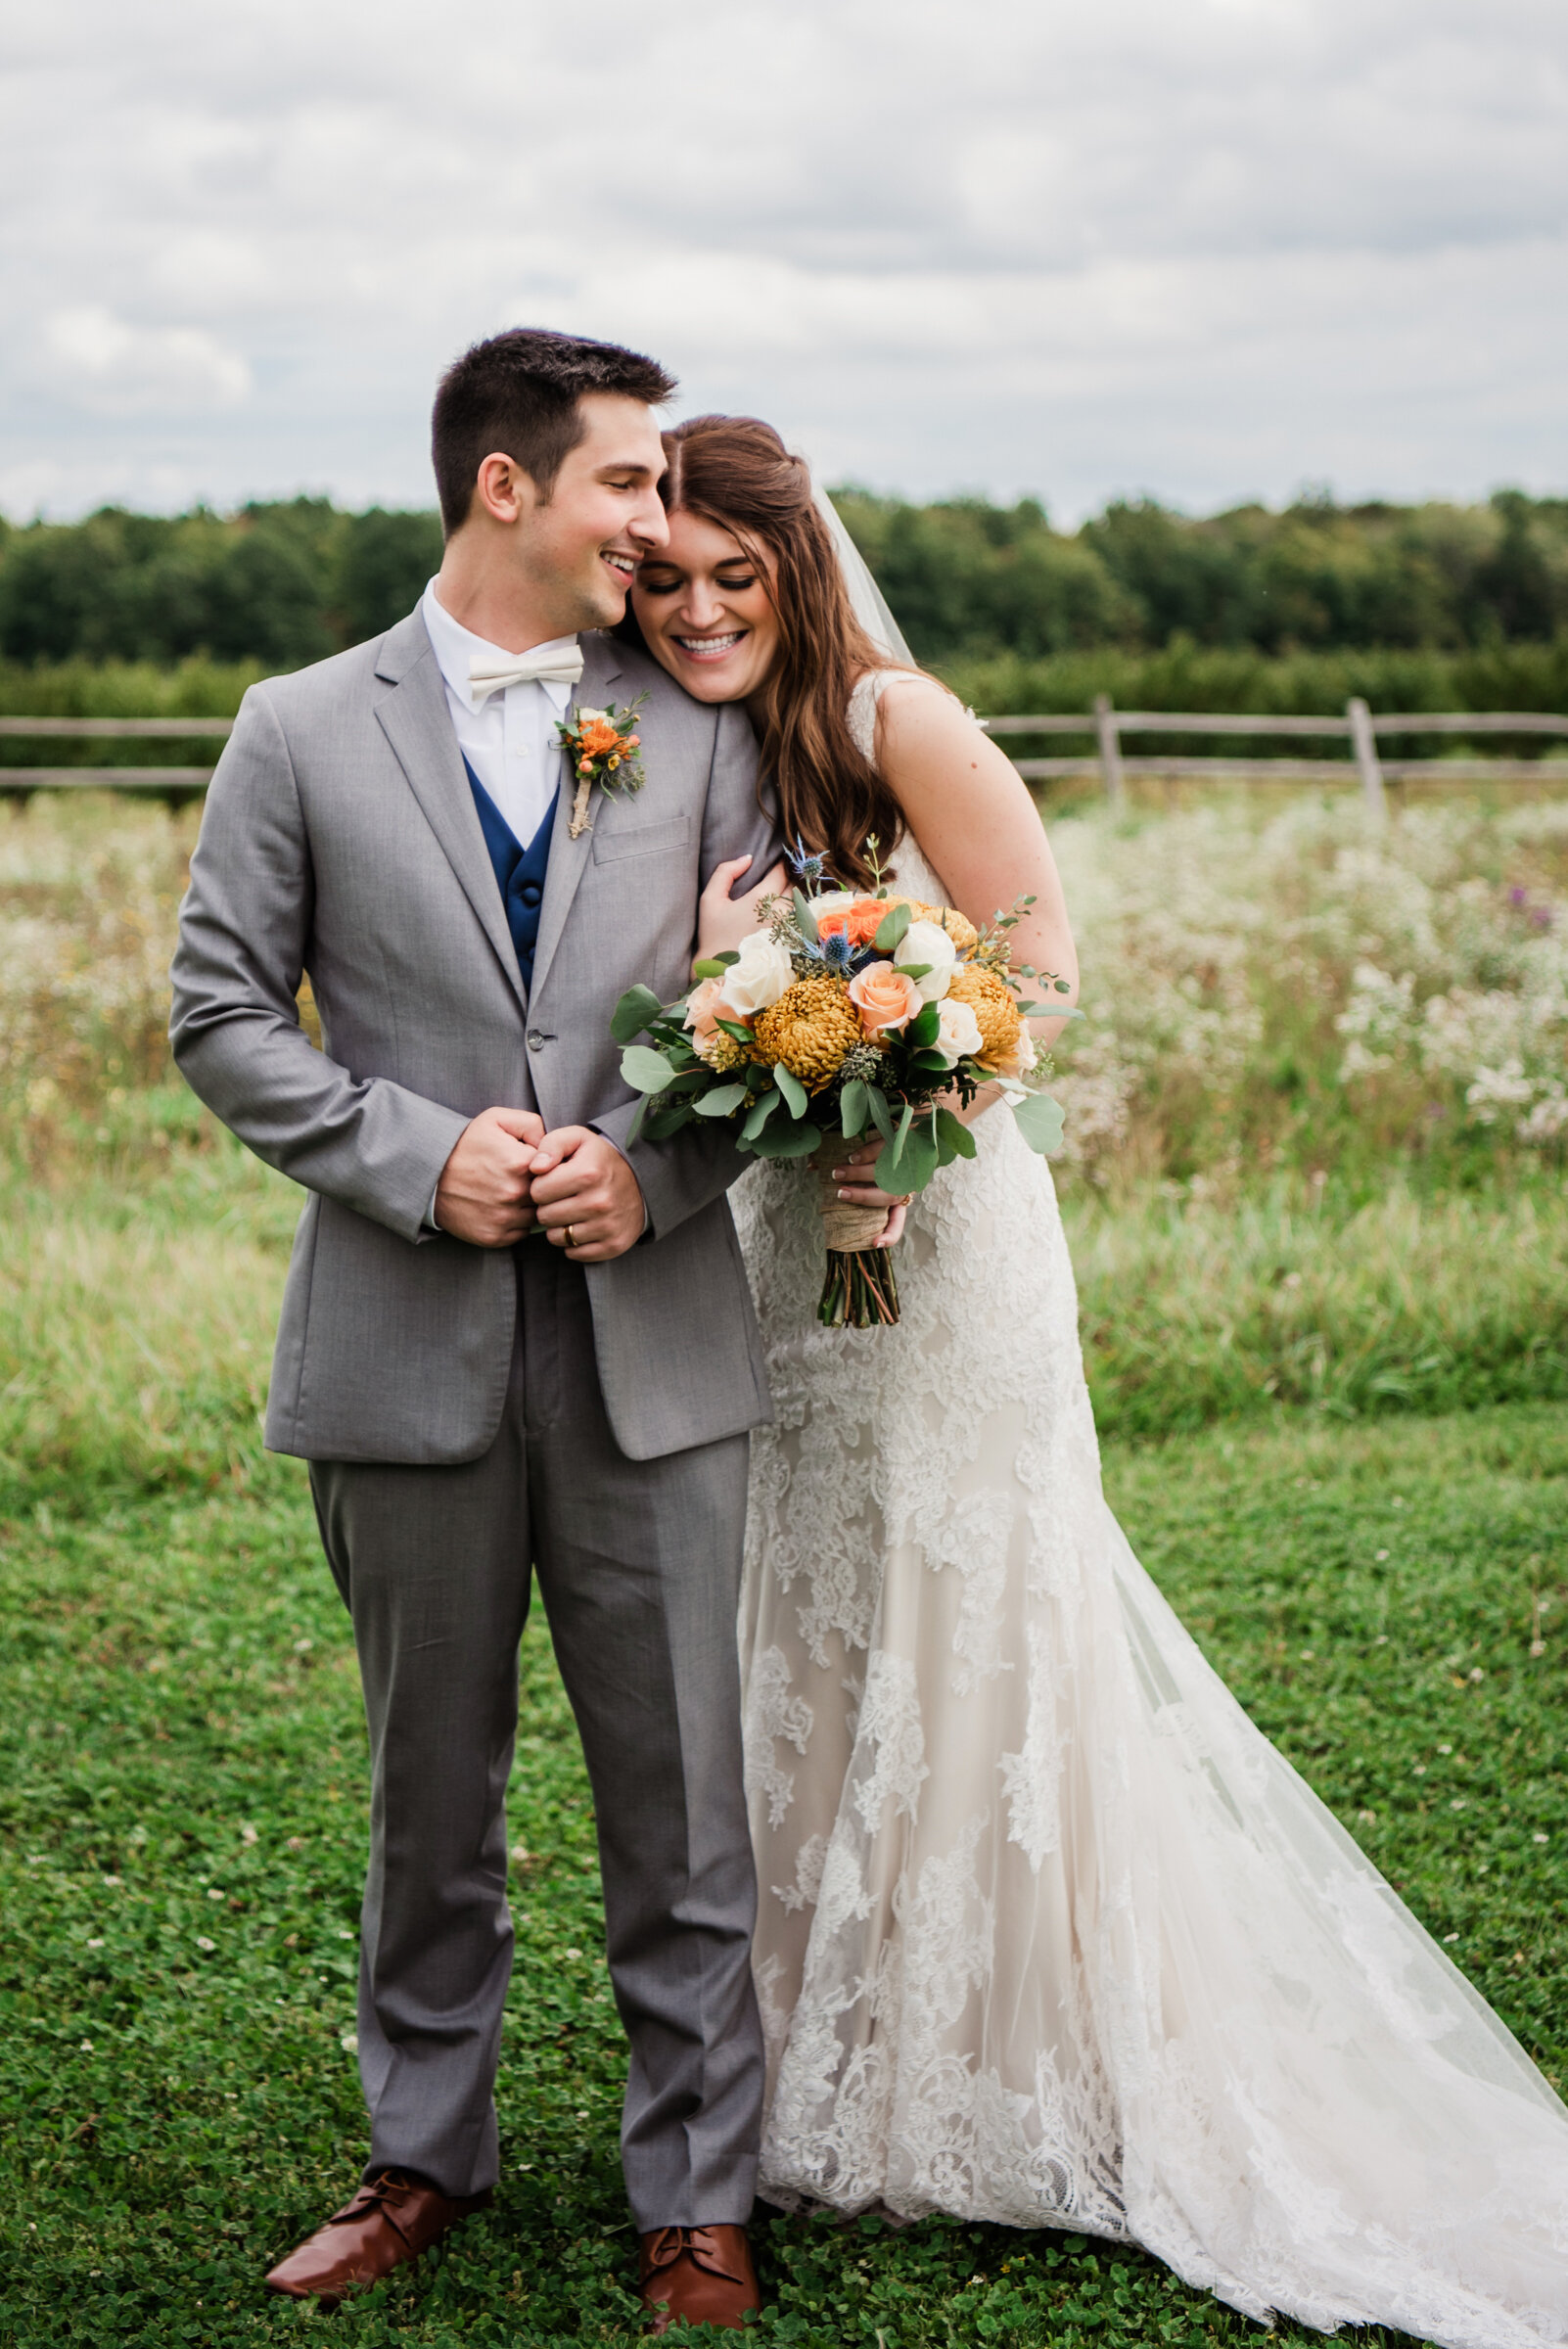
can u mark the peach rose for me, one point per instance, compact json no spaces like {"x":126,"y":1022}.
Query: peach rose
{"x":703,"y":1007}
{"x":885,"y":997}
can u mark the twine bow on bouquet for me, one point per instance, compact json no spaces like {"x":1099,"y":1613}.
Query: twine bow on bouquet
{"x":845,"y":1015}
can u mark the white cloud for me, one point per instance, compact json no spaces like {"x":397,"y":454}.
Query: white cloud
{"x":108,"y":367}
{"x":1205,"y":247}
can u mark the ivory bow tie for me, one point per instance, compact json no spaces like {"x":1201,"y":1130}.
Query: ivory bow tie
{"x":558,"y":664}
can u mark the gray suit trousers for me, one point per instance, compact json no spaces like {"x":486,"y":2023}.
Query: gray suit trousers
{"x":638,"y":1563}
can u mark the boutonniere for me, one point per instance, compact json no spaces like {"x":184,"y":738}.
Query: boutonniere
{"x":603,"y":744}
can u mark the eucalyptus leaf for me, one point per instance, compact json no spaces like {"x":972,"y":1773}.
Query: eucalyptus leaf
{"x":916,"y":970}
{"x":854,"y":1109}
{"x":910,"y":1168}
{"x":890,"y":930}
{"x":720,"y":1102}
{"x":1039,"y":1121}
{"x":638,"y":1119}
{"x":758,"y":1114}
{"x":804,"y":919}
{"x":644,"y":1070}
{"x":708,"y":966}
{"x":636,"y":1011}
{"x":787,"y":1142}
{"x":742,"y":1034}
{"x":894,"y":1153}
{"x":662,"y":1123}
{"x":954,"y":1136}
{"x":793,"y":1091}
{"x":881,"y":1114}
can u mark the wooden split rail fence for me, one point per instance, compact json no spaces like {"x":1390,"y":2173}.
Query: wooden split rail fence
{"x":1105,"y":725}
{"x":1359,"y":727}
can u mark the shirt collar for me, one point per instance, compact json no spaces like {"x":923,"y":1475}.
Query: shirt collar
{"x":454,"y":646}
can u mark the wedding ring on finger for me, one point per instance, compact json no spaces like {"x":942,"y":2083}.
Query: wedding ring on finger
{"x":572,"y":1235}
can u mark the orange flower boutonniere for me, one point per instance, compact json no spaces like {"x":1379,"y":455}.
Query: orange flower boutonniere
{"x":603,"y":745}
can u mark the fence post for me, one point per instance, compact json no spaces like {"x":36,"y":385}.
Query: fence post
{"x":1108,"y":735}
{"x":1364,"y":744}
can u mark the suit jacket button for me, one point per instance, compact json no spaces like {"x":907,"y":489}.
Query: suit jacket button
{"x":536,"y":1040}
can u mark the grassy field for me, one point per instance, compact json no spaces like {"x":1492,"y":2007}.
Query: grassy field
{"x":1291,"y":1270}
{"x":183,"y":1808}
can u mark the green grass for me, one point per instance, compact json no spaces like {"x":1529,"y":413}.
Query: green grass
{"x":184,"y":1766}
{"x":139,"y":1284}
{"x":1198,"y":1310}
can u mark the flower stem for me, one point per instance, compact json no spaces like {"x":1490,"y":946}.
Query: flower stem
{"x":859,"y":1291}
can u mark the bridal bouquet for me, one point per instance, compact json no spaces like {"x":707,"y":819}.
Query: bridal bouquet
{"x":847,"y":1014}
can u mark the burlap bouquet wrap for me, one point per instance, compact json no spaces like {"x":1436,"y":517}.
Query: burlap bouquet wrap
{"x":847,"y":1229}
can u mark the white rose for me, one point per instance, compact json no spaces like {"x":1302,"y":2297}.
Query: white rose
{"x":929,"y":943}
{"x":833,"y":900}
{"x":759,"y":978}
{"x":957,"y":1030}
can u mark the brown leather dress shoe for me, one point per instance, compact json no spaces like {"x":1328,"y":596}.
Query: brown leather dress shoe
{"x":699,"y":2275}
{"x":391,"y":2220}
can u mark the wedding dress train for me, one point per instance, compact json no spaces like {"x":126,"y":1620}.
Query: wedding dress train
{"x":1050,"y":1933}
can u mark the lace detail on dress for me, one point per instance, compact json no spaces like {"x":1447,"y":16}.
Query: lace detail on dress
{"x":1051,"y":1935}
{"x":771,"y":1714}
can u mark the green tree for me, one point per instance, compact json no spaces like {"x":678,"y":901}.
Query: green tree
{"x":384,"y":561}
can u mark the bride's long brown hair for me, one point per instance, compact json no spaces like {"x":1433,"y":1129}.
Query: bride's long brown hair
{"x":736,"y":472}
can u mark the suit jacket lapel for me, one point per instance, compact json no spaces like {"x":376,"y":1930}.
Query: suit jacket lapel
{"x":418,"y":724}
{"x":568,"y":857}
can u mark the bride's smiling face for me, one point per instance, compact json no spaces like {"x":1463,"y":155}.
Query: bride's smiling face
{"x":705,"y":612}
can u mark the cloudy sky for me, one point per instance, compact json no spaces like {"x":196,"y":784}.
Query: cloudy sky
{"x":1208,"y":249}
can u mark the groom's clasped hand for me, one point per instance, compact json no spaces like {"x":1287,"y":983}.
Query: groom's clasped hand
{"x":507,"y":1177}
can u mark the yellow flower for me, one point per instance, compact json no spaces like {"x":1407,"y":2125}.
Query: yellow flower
{"x":965,"y":937}
{"x":810,"y":1029}
{"x":995,"y":1010}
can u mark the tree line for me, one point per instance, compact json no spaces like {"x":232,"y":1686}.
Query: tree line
{"x":285,"y":582}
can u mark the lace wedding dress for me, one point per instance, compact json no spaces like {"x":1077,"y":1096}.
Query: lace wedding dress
{"x":1050,"y":1933}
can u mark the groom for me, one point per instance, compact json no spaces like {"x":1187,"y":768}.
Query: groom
{"x":511,"y":1337}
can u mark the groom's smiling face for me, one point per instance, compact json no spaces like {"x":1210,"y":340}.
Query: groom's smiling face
{"x":603,"y":516}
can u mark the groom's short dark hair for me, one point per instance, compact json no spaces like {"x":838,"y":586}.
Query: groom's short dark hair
{"x":518,"y":394}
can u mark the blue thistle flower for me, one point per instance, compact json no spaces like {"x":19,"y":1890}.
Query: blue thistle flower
{"x":808,"y":867}
{"x":838,"y":952}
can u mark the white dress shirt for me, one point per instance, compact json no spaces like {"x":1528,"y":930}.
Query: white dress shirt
{"x":509,"y":739}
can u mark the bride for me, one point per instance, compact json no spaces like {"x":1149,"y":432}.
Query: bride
{"x":1050,"y":1933}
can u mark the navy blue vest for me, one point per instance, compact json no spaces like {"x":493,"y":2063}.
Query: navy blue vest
{"x":520,"y":871}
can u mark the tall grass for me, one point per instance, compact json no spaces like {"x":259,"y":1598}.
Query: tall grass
{"x":1198,"y":1311}
{"x":1315,"y":1148}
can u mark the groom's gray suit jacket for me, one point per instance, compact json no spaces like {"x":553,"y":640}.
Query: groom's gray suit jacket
{"x":340,"y":840}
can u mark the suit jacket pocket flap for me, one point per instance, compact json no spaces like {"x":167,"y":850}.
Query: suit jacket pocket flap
{"x":638,"y":838}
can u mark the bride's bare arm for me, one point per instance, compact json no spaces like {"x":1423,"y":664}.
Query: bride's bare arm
{"x":979,"y":828}
{"x":968,"y":808}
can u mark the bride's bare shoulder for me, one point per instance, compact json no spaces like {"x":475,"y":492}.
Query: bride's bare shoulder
{"x":919,"y":720}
